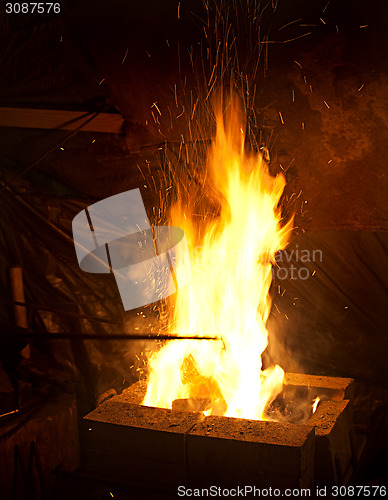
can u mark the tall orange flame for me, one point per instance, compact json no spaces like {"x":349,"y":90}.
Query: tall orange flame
{"x":228,"y":295}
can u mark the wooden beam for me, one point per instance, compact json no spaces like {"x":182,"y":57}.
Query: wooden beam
{"x":111,"y":123}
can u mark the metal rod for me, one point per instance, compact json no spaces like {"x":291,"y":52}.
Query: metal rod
{"x":9,"y":413}
{"x":107,"y":336}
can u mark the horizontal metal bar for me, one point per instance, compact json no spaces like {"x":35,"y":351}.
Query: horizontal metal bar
{"x":104,"y":336}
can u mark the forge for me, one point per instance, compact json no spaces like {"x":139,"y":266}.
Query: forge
{"x":124,"y":440}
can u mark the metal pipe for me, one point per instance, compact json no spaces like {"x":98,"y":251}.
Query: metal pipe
{"x":113,"y":336}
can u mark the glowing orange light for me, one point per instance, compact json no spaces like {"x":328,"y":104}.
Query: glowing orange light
{"x":228,"y":296}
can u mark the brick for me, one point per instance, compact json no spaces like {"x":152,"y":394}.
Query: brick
{"x":163,"y":447}
{"x":138,"y":431}
{"x":136,"y":443}
{"x":133,"y":394}
{"x":123,"y":440}
{"x":334,"y":388}
{"x":333,"y":431}
{"x":236,"y":450}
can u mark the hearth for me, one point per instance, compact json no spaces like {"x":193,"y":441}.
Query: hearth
{"x":142,"y":445}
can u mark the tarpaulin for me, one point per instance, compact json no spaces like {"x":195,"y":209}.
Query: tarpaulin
{"x":35,"y":232}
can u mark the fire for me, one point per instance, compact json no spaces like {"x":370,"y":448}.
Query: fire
{"x":316,"y":403}
{"x":228,"y":296}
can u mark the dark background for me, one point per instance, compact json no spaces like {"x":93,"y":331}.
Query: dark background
{"x":125,"y":56}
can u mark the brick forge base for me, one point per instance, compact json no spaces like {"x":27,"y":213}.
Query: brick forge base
{"x":123,"y":440}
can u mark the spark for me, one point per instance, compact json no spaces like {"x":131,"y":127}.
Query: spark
{"x":168,"y":44}
{"x":179,"y":10}
{"x":263,"y":42}
{"x":183,"y":110}
{"x":322,"y":20}
{"x":281,"y":118}
{"x":141,"y":172}
{"x":362,"y":86}
{"x":125,"y":56}
{"x":313,"y":272}
{"x":296,"y":62}
{"x":211,"y":76}
{"x":325,"y":103}
{"x":148,"y":54}
{"x":326,"y":6}
{"x":293,"y":95}
{"x":195,"y":105}
{"x":297,"y":38}
{"x":155,"y":105}
{"x":103,"y":80}
{"x":176,"y":97}
{"x":329,"y":161}
{"x":364,"y":26}
{"x":211,"y":88}
{"x":288,"y":24}
{"x":316,"y":402}
{"x":302,"y":125}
